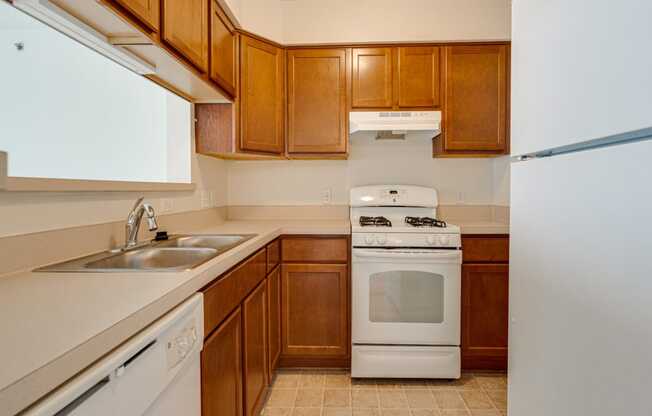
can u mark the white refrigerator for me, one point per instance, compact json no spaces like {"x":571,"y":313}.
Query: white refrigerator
{"x":580,"y":334}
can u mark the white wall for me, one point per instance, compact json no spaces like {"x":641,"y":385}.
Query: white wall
{"x":501,"y":181}
{"x":459,"y":181}
{"x":318,"y":21}
{"x":262,"y":17}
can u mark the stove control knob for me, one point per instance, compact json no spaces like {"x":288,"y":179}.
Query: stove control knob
{"x":443,"y":240}
{"x":369,"y":239}
{"x":431,"y":240}
{"x":381,"y":239}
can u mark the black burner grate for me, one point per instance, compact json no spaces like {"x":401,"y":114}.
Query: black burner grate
{"x":425,"y":222}
{"x":375,"y":221}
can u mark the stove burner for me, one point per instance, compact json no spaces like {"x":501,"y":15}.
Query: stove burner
{"x":377,"y":221}
{"x":424,"y":222}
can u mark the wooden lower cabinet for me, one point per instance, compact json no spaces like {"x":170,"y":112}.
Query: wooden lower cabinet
{"x":485,"y":305}
{"x":254,"y":339}
{"x":221,"y":369}
{"x":274,"y":318}
{"x":315,"y":313}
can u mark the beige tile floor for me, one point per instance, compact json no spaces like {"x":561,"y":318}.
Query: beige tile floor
{"x":334,"y":393}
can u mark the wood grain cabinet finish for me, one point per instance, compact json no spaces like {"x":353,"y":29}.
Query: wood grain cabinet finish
{"x":485,"y":307}
{"x":315,"y":300}
{"x":262,"y":102}
{"x":317,"y":100}
{"x":254,"y":339}
{"x":475,"y":99}
{"x":185,"y":28}
{"x":146,"y":11}
{"x":273,"y":255}
{"x":221,"y":369}
{"x":418,"y":76}
{"x":371,"y":82}
{"x":315,"y":249}
{"x":224,"y":48}
{"x":485,"y":248}
{"x":224,"y":295}
{"x":274,"y":318}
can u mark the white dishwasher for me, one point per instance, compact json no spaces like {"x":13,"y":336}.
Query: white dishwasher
{"x":157,"y":372}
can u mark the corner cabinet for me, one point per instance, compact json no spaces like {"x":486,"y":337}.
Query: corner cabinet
{"x":485,"y":302}
{"x":476,"y":102}
{"x":317,"y":100}
{"x":185,"y":29}
{"x":262,"y":100}
{"x":224,"y":50}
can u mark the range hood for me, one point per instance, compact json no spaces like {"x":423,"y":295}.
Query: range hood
{"x":396,"y":123}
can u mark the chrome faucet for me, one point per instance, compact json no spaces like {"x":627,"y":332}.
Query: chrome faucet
{"x":133,"y":222}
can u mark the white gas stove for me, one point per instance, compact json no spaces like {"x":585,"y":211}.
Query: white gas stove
{"x":406,"y":272}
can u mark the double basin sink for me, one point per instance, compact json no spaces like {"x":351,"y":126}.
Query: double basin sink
{"x":183,"y":252}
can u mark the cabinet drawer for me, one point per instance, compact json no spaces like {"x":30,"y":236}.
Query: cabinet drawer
{"x":273,"y":255}
{"x":223,"y":296}
{"x":485,"y":249}
{"x":315,"y":249}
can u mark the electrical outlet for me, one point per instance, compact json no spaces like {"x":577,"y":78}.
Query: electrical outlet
{"x":326,"y":196}
{"x":205,"y":197}
{"x":166,"y":205}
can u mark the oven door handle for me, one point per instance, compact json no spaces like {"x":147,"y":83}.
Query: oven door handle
{"x":454,"y":255}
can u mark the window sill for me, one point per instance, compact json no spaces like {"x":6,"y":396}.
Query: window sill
{"x":20,"y":184}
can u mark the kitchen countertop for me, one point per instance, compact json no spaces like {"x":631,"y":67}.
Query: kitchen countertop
{"x":72,"y":319}
{"x":482,"y":227}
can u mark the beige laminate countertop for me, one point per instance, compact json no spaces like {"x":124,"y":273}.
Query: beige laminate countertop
{"x":53,"y":325}
{"x":482,"y":227}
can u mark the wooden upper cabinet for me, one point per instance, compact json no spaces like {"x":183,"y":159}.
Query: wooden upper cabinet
{"x":223,"y":50}
{"x":418,"y":76}
{"x":185,"y":28}
{"x":315,"y":325}
{"x":221,"y":369}
{"x":254,"y":316}
{"x":475,"y":94}
{"x":317,"y":100}
{"x":261,"y":97}
{"x":371,"y":78}
{"x":147,"y":11}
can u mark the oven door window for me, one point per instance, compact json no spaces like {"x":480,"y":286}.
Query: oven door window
{"x":406,"y":296}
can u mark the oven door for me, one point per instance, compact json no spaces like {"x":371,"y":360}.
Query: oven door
{"x":406,"y":296}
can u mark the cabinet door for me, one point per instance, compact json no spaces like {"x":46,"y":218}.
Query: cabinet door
{"x":484,"y":316}
{"x":221,"y":369}
{"x":274,"y":318}
{"x":317,"y":107}
{"x":254,"y":310}
{"x":261,"y":95}
{"x":372,"y":78}
{"x":418,"y":76}
{"x":185,"y":28}
{"x":147,"y":11}
{"x":223,"y":50}
{"x":315,"y":325}
{"x":475,"y":84}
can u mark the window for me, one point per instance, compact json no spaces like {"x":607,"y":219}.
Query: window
{"x":67,"y":112}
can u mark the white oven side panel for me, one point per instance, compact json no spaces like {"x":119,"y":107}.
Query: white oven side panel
{"x":383,"y":283}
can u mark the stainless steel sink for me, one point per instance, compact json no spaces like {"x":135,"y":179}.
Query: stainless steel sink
{"x":179,"y":253}
{"x":155,"y":259}
{"x":220,"y":242}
